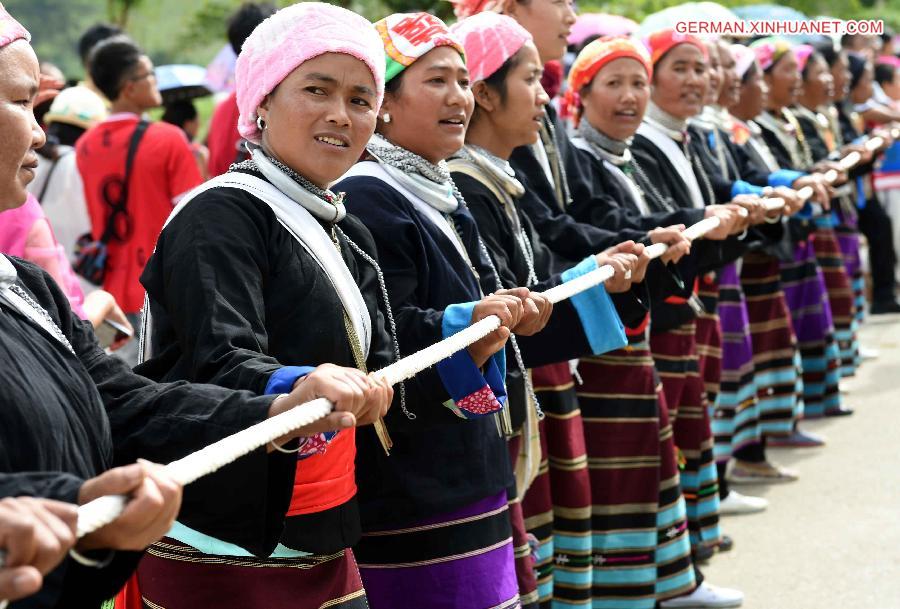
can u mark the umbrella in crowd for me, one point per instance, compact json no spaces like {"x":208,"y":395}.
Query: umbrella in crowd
{"x":708,"y":12}
{"x":769,"y":12}
{"x":181,"y":81}
{"x":220,"y":71}
{"x":591,"y":25}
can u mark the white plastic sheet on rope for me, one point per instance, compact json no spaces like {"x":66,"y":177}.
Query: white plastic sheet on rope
{"x":104,"y":510}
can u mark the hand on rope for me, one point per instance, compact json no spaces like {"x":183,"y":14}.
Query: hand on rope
{"x":792,"y":201}
{"x":35,"y":534}
{"x":728,"y":224}
{"x":625,"y":260}
{"x":865,"y":151}
{"x":100,"y":512}
{"x":814,"y":186}
{"x":677,"y":245}
{"x":506,"y":308}
{"x":536,"y":311}
{"x":358,"y":398}
{"x":154,"y":499}
{"x":755,"y":208}
{"x":838,"y":170}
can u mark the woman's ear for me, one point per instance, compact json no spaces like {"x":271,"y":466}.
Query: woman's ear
{"x":262,"y":110}
{"x":486,"y":98}
{"x":385,"y":115}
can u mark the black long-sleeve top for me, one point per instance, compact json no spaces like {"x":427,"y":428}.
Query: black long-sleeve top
{"x":551,"y":217}
{"x":66,"y":417}
{"x":439,"y":462}
{"x":235,"y":299}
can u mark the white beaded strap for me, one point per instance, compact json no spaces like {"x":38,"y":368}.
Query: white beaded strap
{"x":102,"y":511}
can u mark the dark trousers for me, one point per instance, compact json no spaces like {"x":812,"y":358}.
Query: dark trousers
{"x":875,"y":224}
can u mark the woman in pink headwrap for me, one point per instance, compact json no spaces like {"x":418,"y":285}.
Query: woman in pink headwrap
{"x":72,"y":417}
{"x":509,"y":104}
{"x":258,"y":275}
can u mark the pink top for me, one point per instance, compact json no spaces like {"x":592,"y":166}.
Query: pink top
{"x":25,"y":232}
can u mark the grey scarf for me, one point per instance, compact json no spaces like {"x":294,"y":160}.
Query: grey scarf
{"x":323,"y":204}
{"x":675,"y":128}
{"x":614,"y":151}
{"x":428,"y":181}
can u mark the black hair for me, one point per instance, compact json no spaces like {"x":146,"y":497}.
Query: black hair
{"x":111,"y":62}
{"x":586,"y":42}
{"x":887,"y":35}
{"x":497,"y":80}
{"x":858,"y":66}
{"x":847,"y":40}
{"x":393,"y":85}
{"x":827,"y":50}
{"x":244,"y":20}
{"x":94,"y":35}
{"x":64,"y":133}
{"x":751,"y":71}
{"x":884,"y":73}
{"x":815,"y":55}
{"x":179,"y":112}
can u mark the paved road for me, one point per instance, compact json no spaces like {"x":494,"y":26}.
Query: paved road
{"x":832,"y":539}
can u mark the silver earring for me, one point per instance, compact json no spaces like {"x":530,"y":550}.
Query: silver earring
{"x":260,"y":123}
{"x":386,"y":118}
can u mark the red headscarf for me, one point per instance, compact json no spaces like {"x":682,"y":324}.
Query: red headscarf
{"x":663,"y":41}
{"x":593,"y":57}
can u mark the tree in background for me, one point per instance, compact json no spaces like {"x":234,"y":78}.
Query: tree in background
{"x":192,"y":31}
{"x":118,"y":11}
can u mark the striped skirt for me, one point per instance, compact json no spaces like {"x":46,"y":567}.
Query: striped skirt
{"x":709,"y":336}
{"x":776,"y":360}
{"x":173,"y":575}
{"x":523,"y":553}
{"x":807,"y":299}
{"x":641,"y":549}
{"x":736,"y":416}
{"x":458,"y":560}
{"x":675,"y":356}
{"x":848,"y":239}
{"x":557,"y":506}
{"x":840,"y":293}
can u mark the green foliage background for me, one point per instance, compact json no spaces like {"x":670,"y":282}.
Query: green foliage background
{"x":191,"y":31}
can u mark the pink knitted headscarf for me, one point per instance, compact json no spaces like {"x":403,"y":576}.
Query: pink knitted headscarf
{"x":490,"y":39}
{"x":292,"y":36}
{"x":744,"y":57}
{"x":10,"y":29}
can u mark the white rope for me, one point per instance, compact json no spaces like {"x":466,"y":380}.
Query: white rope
{"x":701,"y":228}
{"x":850,"y":161}
{"x":847,"y":163}
{"x":773,"y":204}
{"x":104,"y":510}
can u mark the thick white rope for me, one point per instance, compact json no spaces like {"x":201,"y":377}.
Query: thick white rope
{"x":773,"y":204}
{"x":104,"y":510}
{"x":847,"y":163}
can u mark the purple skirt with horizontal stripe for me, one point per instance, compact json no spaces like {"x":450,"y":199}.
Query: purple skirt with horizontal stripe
{"x":458,"y":560}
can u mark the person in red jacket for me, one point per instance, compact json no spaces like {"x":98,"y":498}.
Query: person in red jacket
{"x":223,"y":139}
{"x":163,"y":170}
